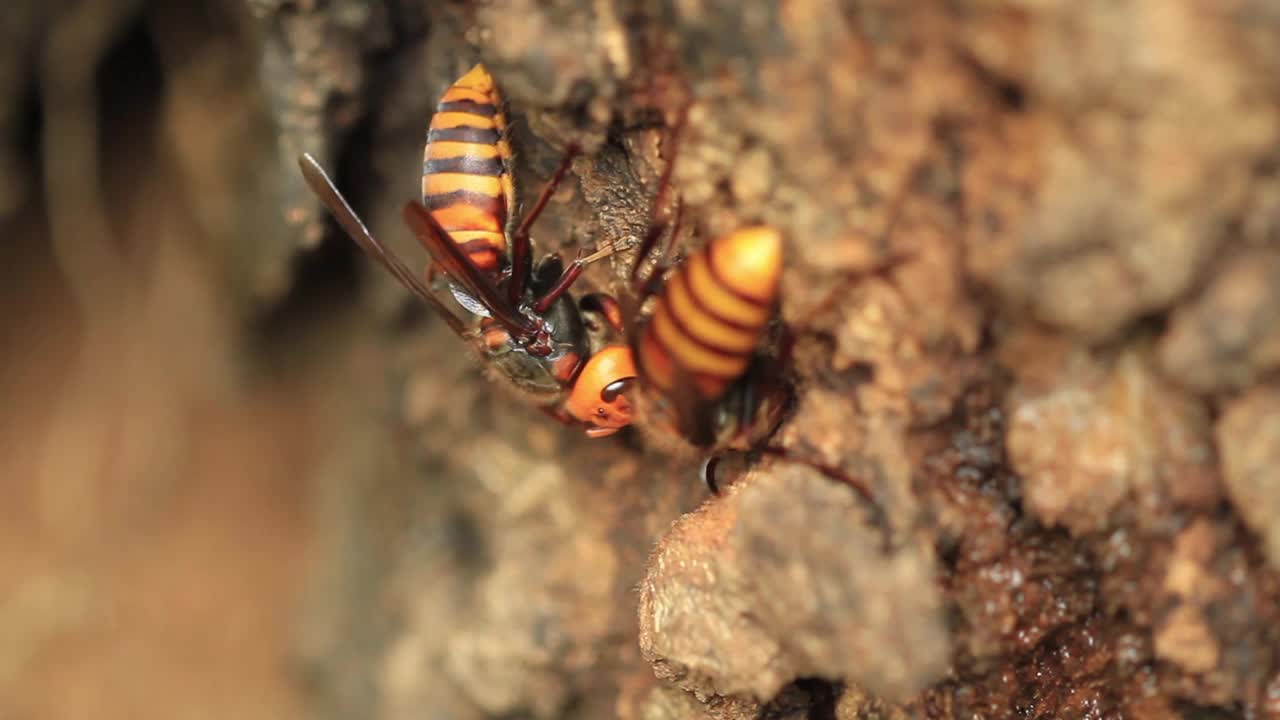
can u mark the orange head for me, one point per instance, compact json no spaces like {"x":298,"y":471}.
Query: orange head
{"x":598,"y":396}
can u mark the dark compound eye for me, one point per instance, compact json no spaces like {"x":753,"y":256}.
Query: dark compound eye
{"x":600,"y":412}
{"x":616,"y":388}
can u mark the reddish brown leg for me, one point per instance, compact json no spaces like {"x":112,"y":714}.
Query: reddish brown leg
{"x":884,"y":270}
{"x":708,"y":476}
{"x":568,"y":277}
{"x":836,"y":474}
{"x":654,"y":281}
{"x":832,"y":473}
{"x":607,"y":306}
{"x":658,"y":226}
{"x":521,"y":250}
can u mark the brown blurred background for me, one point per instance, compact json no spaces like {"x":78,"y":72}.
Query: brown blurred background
{"x":160,"y":400}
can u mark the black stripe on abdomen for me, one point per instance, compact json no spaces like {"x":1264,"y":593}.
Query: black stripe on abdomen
{"x":468,"y":164}
{"x":484,"y":136}
{"x":487,"y":203}
{"x":469,"y":106}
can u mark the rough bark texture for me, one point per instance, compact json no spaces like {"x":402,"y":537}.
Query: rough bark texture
{"x":1084,"y":195}
{"x":1033,"y":268}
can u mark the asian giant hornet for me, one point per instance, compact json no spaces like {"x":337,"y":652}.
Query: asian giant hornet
{"x":522,"y":320}
{"x":701,"y":367}
{"x":703,"y":378}
{"x":710,"y":354}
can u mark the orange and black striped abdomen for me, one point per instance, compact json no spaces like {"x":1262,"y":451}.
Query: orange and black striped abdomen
{"x":466,"y":183}
{"x":711,"y":313}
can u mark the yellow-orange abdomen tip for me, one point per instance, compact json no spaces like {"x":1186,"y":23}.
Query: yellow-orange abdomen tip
{"x":477,"y":77}
{"x":750,"y":261}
